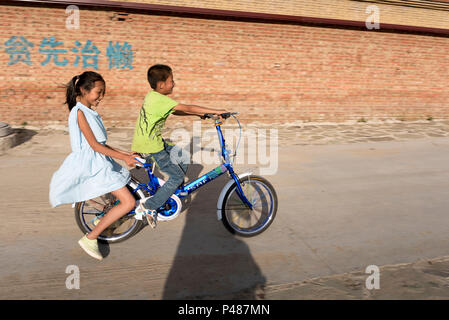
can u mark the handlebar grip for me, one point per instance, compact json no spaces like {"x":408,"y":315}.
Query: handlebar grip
{"x":223,"y":115}
{"x":140,"y":161}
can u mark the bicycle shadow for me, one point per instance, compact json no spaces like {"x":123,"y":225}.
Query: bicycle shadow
{"x":211,"y":263}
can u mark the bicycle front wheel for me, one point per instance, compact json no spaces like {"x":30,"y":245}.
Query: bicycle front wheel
{"x":88,"y":214}
{"x":238,"y":218}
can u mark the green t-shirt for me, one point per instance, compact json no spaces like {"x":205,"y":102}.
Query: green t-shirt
{"x":147,"y":134}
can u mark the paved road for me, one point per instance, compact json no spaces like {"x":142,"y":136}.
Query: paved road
{"x":342,"y":207}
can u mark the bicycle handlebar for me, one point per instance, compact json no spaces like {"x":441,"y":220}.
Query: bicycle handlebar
{"x":140,"y":162}
{"x":223,"y":115}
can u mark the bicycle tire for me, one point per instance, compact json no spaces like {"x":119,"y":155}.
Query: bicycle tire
{"x":233,"y":207}
{"x":108,"y":201}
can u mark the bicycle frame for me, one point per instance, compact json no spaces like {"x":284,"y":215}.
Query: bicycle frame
{"x":266,"y":199}
{"x":182,"y":192}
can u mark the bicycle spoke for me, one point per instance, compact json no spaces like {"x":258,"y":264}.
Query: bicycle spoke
{"x":241,"y":207}
{"x":252,"y":216}
{"x":235,"y":220}
{"x":262,"y":197}
{"x":247,"y":193}
{"x":236,"y":201}
{"x":259,"y":203}
{"x":95,"y":205}
{"x":95,"y":213}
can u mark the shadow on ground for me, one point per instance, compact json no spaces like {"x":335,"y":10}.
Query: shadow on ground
{"x":22,"y":135}
{"x":210,"y":262}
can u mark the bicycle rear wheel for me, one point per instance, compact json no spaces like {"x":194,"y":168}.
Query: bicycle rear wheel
{"x":88,"y":213}
{"x":238,"y":218}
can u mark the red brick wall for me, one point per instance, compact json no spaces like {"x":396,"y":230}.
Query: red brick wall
{"x":268,"y":72}
{"x":431,"y":14}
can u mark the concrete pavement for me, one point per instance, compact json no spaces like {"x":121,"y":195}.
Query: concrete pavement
{"x":344,"y":205}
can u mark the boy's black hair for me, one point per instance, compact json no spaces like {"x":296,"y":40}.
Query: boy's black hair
{"x":158,"y":72}
{"x":86,"y":80}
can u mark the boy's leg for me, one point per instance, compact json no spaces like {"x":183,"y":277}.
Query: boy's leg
{"x":176,"y":155}
{"x":176,"y":177}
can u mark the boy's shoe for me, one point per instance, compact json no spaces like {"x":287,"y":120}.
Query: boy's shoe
{"x":151,"y":215}
{"x":152,"y":218}
{"x":91,"y":247}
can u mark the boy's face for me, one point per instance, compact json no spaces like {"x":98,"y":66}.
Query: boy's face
{"x":166,"y":87}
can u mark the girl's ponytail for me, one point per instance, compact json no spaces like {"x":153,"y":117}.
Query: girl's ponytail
{"x":71,"y":92}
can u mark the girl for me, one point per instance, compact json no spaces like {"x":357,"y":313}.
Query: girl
{"x":89,"y":171}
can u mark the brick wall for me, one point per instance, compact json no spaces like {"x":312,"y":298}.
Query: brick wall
{"x":433,"y":14}
{"x":268,"y":72}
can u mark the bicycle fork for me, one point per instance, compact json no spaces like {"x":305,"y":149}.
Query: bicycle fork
{"x":226,"y":156}
{"x":239,"y":188}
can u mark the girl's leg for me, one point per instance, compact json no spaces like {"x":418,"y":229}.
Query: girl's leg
{"x":127,"y":203}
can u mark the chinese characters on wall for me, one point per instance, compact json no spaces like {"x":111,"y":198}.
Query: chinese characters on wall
{"x":53,"y":52}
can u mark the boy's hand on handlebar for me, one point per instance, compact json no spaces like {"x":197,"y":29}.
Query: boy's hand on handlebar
{"x":216,"y":115}
{"x":219,"y":113}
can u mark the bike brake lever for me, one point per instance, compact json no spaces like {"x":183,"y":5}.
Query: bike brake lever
{"x":223,"y":115}
{"x":140,"y":161}
{"x":207,"y":116}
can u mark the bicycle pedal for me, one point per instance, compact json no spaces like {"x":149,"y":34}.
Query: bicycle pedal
{"x":138,"y":212}
{"x":151,"y":220}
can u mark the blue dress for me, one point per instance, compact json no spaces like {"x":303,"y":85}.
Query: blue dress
{"x":86,"y":174}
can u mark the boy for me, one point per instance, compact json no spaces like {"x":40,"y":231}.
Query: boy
{"x":147,"y":138}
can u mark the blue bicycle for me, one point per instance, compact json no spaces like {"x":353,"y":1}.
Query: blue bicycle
{"x":247,"y":204}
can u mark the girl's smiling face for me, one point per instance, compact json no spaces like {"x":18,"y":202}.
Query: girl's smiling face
{"x":94,"y":96}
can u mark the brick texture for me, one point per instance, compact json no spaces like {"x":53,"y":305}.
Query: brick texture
{"x":433,"y":14}
{"x":270,"y":73}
